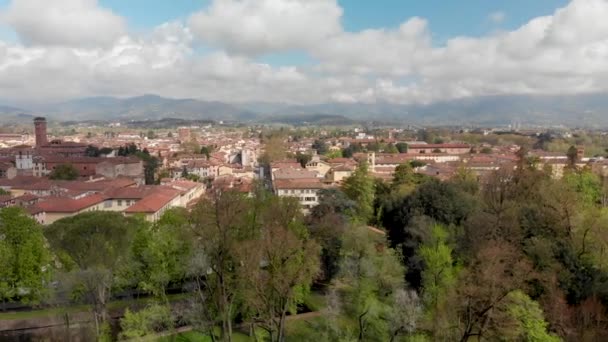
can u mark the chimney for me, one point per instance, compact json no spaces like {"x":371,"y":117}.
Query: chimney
{"x":40,"y":131}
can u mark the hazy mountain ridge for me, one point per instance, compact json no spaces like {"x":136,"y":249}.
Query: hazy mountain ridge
{"x":574,"y":110}
{"x":146,"y":107}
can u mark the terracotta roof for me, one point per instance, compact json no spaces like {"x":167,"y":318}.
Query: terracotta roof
{"x":309,"y":183}
{"x":128,"y":193}
{"x":34,"y":209}
{"x":75,"y":186}
{"x":27,"y":198}
{"x":6,"y":198}
{"x":439,"y":146}
{"x":68,"y":205}
{"x":154,"y":202}
{"x":18,"y":181}
{"x":290,"y":173}
{"x":183,"y":185}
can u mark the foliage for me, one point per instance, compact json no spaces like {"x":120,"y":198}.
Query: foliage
{"x":586,"y":184}
{"x":206,"y":151}
{"x":359,"y":187}
{"x":369,"y":279}
{"x":24,"y":257}
{"x":64,"y":172}
{"x":320,"y":146}
{"x":161,"y":253}
{"x":401,"y":147}
{"x":439,"y":274}
{"x":303,"y":158}
{"x":528,"y":316}
{"x":391,"y":148}
{"x":152,"y":319}
{"x":334,"y":154}
{"x":97,"y":245}
{"x":278,"y":266}
{"x":215,"y":267}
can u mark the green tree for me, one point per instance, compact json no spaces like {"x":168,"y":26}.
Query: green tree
{"x":405,"y":180}
{"x":278,"y":266}
{"x":25,"y":270}
{"x":220,"y":225}
{"x":64,"y":172}
{"x":152,"y":319}
{"x":160,"y":253}
{"x":529,"y":320}
{"x":95,"y":248}
{"x":391,"y":148}
{"x":572,"y":155}
{"x":359,"y":187}
{"x":320,"y":146}
{"x":151,"y":165}
{"x":303,"y":158}
{"x":334,"y":154}
{"x":439,"y":274}
{"x":92,"y":151}
{"x":206,"y":150}
{"x":370,"y":277}
{"x":587,"y":184}
{"x":401,"y":147}
{"x":151,"y":134}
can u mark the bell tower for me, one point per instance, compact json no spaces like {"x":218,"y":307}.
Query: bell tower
{"x":40,"y":131}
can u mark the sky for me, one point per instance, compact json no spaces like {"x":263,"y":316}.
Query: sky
{"x":301,"y":51}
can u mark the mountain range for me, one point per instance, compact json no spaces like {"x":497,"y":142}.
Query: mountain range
{"x":583,"y":110}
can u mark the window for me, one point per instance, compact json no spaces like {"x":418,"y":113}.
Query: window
{"x":119,"y":203}
{"x":107,"y":204}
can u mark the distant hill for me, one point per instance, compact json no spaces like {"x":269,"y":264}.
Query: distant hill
{"x":14,"y":115}
{"x":588,"y":110}
{"x":312,"y":120}
{"x":146,"y":107}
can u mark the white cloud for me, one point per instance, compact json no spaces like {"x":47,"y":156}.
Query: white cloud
{"x":497,"y":17}
{"x":566,"y":52}
{"x":376,"y":51}
{"x":63,"y":22}
{"x":260,"y":26}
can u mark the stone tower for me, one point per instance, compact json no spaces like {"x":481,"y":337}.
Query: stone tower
{"x":40,"y":131}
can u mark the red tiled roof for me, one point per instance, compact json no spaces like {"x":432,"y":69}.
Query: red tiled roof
{"x":18,"y":181}
{"x":309,"y":183}
{"x":26,"y":198}
{"x":68,"y":205}
{"x":154,"y":202}
{"x":128,"y":193}
{"x":183,"y":185}
{"x":34,"y":209}
{"x":439,"y":146}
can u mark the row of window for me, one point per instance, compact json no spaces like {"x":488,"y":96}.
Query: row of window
{"x":108,"y":204}
{"x":304,"y":191}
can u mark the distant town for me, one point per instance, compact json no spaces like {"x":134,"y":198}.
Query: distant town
{"x":111,"y":168}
